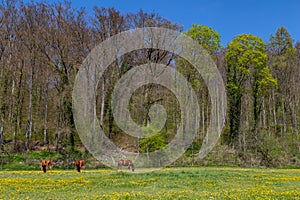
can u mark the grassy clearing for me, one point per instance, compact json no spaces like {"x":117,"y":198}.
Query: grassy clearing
{"x":169,"y":183}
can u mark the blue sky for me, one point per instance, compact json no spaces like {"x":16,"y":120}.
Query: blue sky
{"x":228,"y":17}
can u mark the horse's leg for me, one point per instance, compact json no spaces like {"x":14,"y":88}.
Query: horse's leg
{"x":81,"y":167}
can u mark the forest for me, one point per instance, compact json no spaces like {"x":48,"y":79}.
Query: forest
{"x":42,"y":48}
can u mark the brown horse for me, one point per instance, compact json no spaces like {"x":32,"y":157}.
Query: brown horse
{"x":45,"y":164}
{"x":127,"y":163}
{"x":79,"y":164}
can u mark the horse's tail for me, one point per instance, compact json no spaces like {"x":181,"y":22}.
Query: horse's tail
{"x":44,"y":168}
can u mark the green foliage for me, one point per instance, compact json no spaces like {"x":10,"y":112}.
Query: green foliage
{"x":17,"y":157}
{"x":265,"y":81}
{"x":282,"y":42}
{"x":41,"y":155}
{"x":152,"y":143}
{"x":247,"y":60}
{"x":194,"y":148}
{"x":247,"y":63}
{"x":246,"y":54}
{"x":208,"y":38}
{"x":283,"y":56}
{"x":72,"y":153}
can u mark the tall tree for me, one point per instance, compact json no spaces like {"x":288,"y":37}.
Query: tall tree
{"x":108,"y":22}
{"x":67,"y":47}
{"x":209,"y":40}
{"x":246,"y":61}
{"x":282,"y":61}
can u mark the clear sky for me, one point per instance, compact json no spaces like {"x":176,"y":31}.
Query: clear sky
{"x":228,"y":17}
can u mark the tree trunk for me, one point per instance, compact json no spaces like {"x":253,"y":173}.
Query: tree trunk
{"x":18,"y":106}
{"x":147,"y":105}
{"x":12,"y":111}
{"x":29,"y":122}
{"x":1,"y":134}
{"x":57,"y":134}
{"x":46,"y":114}
{"x":294,"y":118}
{"x":274,"y":112}
{"x":57,"y":137}
{"x":263,"y":112}
{"x":284,"y":118}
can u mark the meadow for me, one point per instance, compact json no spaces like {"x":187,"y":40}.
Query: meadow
{"x":167,"y":183}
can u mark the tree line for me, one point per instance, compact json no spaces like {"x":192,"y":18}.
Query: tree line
{"x":43,"y":45}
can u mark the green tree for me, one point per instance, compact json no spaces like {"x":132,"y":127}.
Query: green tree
{"x":247,"y":66}
{"x":282,"y":42}
{"x":282,"y":61}
{"x":208,"y":38}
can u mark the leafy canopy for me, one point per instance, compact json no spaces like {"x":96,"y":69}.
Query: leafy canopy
{"x":247,"y":60}
{"x":208,"y":38}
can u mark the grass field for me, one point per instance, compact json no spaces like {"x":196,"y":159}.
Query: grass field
{"x":168,"y":183}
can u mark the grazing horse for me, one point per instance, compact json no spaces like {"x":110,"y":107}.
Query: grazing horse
{"x":45,"y":164}
{"x":125,"y":163}
{"x":79,"y":164}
